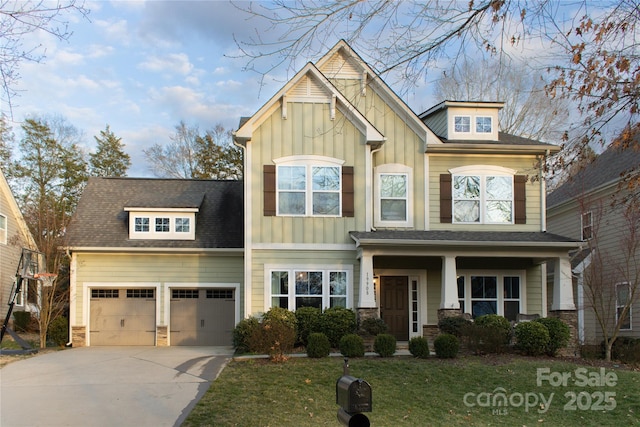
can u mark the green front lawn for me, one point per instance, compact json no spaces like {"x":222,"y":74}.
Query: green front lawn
{"x":432,"y":392}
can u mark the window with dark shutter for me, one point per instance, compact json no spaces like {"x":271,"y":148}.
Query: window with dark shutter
{"x":269,"y":182}
{"x":445,"y":198}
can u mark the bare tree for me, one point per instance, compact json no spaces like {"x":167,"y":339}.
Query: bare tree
{"x":176,"y":159}
{"x":18,"y":18}
{"x":527,"y":112}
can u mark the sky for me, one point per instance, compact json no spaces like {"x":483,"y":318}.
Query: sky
{"x":141,"y":67}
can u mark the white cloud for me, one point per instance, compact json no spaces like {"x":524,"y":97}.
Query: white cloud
{"x":173,"y":63}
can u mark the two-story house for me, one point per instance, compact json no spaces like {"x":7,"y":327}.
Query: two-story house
{"x":350,"y":199}
{"x":14,"y":237}
{"x":599,"y":207}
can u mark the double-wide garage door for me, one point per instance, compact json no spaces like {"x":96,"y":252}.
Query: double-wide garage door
{"x":202,"y":316}
{"x":123,"y":317}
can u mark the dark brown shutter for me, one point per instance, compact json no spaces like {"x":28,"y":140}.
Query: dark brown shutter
{"x":269,"y":182}
{"x":519,"y":199}
{"x":347,"y":192}
{"x":445,"y":198}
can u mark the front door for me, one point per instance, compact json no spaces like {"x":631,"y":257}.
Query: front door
{"x":394,"y":305}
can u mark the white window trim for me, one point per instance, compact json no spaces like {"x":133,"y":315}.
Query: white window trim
{"x":453,"y":128}
{"x":476,"y":124}
{"x":618,"y":305}
{"x":583,"y":225}
{"x":484,"y":171}
{"x":391,"y":169}
{"x":172,"y":234}
{"x":4,"y":231}
{"x":292,"y":268}
{"x":500,"y":291}
{"x":309,"y":161}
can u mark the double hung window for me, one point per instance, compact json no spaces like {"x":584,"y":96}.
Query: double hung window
{"x":490,"y":294}
{"x":587,"y":225}
{"x":307,"y":188}
{"x":3,"y":229}
{"x":622,"y":299}
{"x":482,"y":197}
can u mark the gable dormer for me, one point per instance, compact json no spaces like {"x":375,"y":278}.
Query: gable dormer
{"x":464,"y":121}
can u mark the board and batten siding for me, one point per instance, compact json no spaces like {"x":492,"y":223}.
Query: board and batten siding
{"x":441,"y":163}
{"x":155,"y":268}
{"x":534,"y":283}
{"x":308,"y":130}
{"x":298,"y":258}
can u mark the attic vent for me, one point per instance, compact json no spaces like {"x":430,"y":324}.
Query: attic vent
{"x":308,"y":88}
{"x":341,"y":67}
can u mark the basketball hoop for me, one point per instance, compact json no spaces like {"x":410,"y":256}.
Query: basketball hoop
{"x":46,"y":279}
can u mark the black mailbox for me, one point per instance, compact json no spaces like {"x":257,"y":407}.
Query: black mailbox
{"x":353,"y":394}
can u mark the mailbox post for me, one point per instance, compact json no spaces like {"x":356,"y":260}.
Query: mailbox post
{"x":354,"y":397}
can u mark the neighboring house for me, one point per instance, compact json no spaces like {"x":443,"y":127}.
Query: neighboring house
{"x":156,"y":262}
{"x":14,"y":236}
{"x":592,"y":207}
{"x":350,"y":200}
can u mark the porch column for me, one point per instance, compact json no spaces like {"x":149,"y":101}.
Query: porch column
{"x":449,"y":299}
{"x":562,"y":285}
{"x":366,"y":296}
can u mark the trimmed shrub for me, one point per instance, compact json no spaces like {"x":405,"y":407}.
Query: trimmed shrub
{"x":446,"y":346}
{"x":532,"y":338}
{"x":243,"y":332}
{"x":492,"y":333}
{"x":309,"y":320}
{"x":337,"y":322}
{"x":21,"y":321}
{"x":372,"y":326}
{"x":318,"y":345}
{"x":559,"y":334}
{"x":384,"y":345}
{"x":58,"y":331}
{"x":352,"y":345}
{"x":280,"y":315}
{"x":419,"y":347}
{"x":626,"y":350}
{"x":456,"y":325}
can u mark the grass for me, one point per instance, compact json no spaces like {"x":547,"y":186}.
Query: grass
{"x":415,"y":392}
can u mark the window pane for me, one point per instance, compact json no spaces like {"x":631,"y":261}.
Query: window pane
{"x":282,"y":302}
{"x":309,"y":302}
{"x":279,"y":282}
{"x":338,"y":302}
{"x":461,"y":287}
{"x":483,"y":287}
{"x":326,"y":178}
{"x":315,"y":283}
{"x":462,"y":124}
{"x":393,"y":210}
{"x":480,"y":308}
{"x":623,"y":294}
{"x":499,"y":188}
{"x":291,"y":203}
{"x":393,"y":186}
{"x":337,"y":283}
{"x":511,"y":287}
{"x":499,"y":212}
{"x":182,"y":225}
{"x":162,"y":225}
{"x":511,"y":310}
{"x":142,"y":224}
{"x":483,"y":124}
{"x":291,"y":178}
{"x":466,"y":187}
{"x":466,"y":211}
{"x":326,"y":203}
{"x":308,"y":283}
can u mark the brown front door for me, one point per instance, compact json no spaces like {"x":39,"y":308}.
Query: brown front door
{"x":394,"y":305}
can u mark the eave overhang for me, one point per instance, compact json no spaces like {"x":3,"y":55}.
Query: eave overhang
{"x":490,"y":148}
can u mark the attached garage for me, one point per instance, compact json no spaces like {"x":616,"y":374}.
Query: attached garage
{"x":202,"y":317}
{"x":122,"y":317}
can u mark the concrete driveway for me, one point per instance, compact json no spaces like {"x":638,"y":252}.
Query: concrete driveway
{"x":108,"y":386}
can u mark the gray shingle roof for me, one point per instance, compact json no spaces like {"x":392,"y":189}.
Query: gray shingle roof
{"x":100,"y":219}
{"x":480,"y":237}
{"x":608,"y":167}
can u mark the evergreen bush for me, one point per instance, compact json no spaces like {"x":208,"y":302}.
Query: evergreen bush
{"x":243,"y":332}
{"x":384,"y":345}
{"x":318,"y":345}
{"x":532,"y":338}
{"x":337,"y":322}
{"x":58,"y":331}
{"x":419,"y":347}
{"x":491,"y":333}
{"x":309,"y":320}
{"x":446,"y":346}
{"x":559,"y":334}
{"x":352,"y":345}
{"x":456,"y":325}
{"x":372,"y":326}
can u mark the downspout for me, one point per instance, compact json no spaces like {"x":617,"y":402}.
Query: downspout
{"x":543,"y":192}
{"x":248,"y":259}
{"x":369,"y":177}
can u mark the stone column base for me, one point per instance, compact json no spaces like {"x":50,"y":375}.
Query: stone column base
{"x":79,"y":336}
{"x":162,"y":337}
{"x":570,"y":317}
{"x":367,"y":313}
{"x":443,"y":313}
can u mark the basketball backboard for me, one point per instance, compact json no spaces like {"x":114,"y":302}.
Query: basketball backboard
{"x":31,"y":263}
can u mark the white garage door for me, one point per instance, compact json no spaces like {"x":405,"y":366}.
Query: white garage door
{"x":123,"y":317}
{"x":202,"y":316}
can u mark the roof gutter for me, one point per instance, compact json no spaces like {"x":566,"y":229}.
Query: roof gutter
{"x":464,"y":243}
{"x":453,"y":147}
{"x":113,"y":249}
